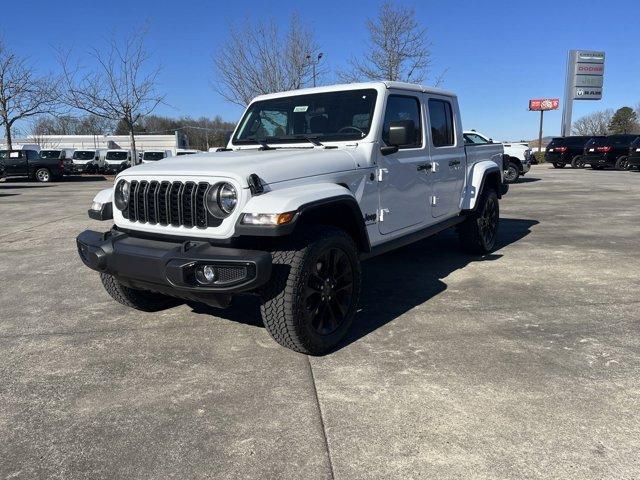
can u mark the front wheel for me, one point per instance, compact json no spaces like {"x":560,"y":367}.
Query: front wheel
{"x":512,"y":173}
{"x":312,"y":297}
{"x":622,"y":163}
{"x":479,"y":230}
{"x":137,"y":299}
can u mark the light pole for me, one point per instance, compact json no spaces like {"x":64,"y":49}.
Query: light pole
{"x":313,"y":64}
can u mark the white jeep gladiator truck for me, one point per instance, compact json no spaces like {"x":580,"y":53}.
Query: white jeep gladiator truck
{"x":312,"y":182}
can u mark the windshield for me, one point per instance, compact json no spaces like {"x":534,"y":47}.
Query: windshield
{"x":50,"y":153}
{"x":84,"y":155}
{"x":116,"y":155}
{"x":153,"y":156}
{"x":323,"y":116}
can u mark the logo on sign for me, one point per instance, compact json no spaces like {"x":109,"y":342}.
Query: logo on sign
{"x":590,"y":68}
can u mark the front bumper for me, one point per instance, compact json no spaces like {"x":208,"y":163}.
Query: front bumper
{"x":172,"y":267}
{"x":526,"y":166}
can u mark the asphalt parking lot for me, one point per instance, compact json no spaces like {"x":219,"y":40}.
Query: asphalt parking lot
{"x":523,"y":364}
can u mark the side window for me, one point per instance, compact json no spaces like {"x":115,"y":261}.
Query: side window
{"x":32,"y":155}
{"x":473,"y":138}
{"x":401,"y":108}
{"x":441,"y":118}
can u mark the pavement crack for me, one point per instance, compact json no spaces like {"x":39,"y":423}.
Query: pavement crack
{"x":321,"y":417}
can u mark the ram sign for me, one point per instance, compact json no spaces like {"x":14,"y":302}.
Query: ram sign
{"x":538,"y":104}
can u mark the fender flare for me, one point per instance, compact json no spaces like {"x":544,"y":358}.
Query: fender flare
{"x":476,"y":180}
{"x":308,"y":202}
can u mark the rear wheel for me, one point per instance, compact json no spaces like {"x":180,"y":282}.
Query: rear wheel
{"x":622,"y":163}
{"x":43,"y":175}
{"x":311,"y":299}
{"x":577,"y":162}
{"x":512,"y":173}
{"x":479,"y":231}
{"x":138,"y":299}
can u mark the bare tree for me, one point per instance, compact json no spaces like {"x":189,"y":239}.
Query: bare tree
{"x":120,"y":87}
{"x":398,"y":48}
{"x":23,"y":94}
{"x":258,"y":58}
{"x":596,"y":123}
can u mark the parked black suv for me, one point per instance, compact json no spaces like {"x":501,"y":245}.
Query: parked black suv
{"x":563,"y":151}
{"x":28,"y":163}
{"x":611,"y":151}
{"x":633,"y":161}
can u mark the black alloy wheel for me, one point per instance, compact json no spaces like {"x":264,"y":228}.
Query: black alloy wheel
{"x":328,"y":294}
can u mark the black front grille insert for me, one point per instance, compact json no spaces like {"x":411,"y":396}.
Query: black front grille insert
{"x":169,"y":203}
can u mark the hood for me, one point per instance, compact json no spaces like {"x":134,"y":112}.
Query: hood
{"x":271,"y":166}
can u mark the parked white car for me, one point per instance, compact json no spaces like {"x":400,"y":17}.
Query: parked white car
{"x":155,"y":155}
{"x":315,"y":181}
{"x":87,"y":160}
{"x":519,"y":156}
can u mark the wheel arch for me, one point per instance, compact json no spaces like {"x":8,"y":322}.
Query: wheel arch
{"x":319,"y":204}
{"x":483,"y":175}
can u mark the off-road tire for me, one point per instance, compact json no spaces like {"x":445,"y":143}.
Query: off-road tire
{"x":576,"y":162}
{"x":512,"y":174}
{"x":470,"y":231}
{"x":283,"y":297}
{"x":43,"y":175}
{"x":622,"y":163}
{"x":138,"y":299}
{"x":558,"y":165}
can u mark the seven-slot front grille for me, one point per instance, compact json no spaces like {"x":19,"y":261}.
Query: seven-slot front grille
{"x":169,"y":203}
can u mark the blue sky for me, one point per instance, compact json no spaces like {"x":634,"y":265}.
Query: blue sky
{"x":497,"y":54}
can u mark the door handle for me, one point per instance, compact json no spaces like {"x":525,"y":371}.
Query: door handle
{"x":453,"y":163}
{"x":425,"y":167}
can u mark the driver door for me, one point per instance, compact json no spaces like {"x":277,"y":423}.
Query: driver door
{"x":403,"y":176}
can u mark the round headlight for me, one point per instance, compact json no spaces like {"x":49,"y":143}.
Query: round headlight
{"x":221,"y":199}
{"x":227,"y":198}
{"x":121,"y":195}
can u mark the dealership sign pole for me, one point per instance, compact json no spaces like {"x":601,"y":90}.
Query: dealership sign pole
{"x":540,"y":105}
{"x":584,"y":80}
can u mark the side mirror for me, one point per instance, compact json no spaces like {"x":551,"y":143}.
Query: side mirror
{"x":402,"y":132}
{"x":491,"y":140}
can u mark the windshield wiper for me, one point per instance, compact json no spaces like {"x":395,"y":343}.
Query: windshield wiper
{"x":311,"y":139}
{"x":263,"y":144}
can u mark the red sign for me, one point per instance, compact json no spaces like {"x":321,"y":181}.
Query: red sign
{"x":538,"y":104}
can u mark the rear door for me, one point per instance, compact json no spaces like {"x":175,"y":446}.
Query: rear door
{"x":447,"y":156}
{"x":402,"y":179}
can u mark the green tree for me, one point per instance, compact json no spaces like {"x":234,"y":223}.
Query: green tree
{"x":625,"y":120}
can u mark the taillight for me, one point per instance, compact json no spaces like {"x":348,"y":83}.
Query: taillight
{"x":604,"y":149}
{"x":560,"y":149}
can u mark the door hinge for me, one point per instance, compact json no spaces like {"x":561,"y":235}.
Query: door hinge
{"x":381,"y":214}
{"x":381,"y":172}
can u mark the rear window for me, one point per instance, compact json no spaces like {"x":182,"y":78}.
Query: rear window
{"x":50,"y":153}
{"x":84,"y":155}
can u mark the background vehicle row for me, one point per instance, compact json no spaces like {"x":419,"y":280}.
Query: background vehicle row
{"x":599,"y":152}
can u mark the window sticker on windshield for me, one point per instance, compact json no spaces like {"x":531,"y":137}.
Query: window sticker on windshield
{"x":14,"y":154}
{"x":301,"y":108}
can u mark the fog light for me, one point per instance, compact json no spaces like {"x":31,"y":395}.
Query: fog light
{"x":96,"y":206}
{"x":206,"y":274}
